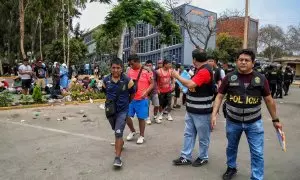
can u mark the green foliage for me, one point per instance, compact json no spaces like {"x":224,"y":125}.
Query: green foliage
{"x":130,"y":12}
{"x":54,"y":52}
{"x":5,"y":99}
{"x":106,"y":43}
{"x":37,"y":94}
{"x":78,"y":93}
{"x":26,"y":99}
{"x":227,"y":47}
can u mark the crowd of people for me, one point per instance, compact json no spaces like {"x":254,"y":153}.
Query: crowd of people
{"x":40,"y":74}
{"x":203,"y":87}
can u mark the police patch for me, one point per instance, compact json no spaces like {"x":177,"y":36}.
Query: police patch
{"x":233,"y":78}
{"x":257,"y":80}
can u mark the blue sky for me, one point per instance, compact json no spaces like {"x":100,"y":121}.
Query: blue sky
{"x":278,"y":12}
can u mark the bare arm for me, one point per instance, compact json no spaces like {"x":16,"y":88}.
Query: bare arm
{"x":216,"y":108}
{"x":272,"y":110}
{"x":271,"y":106}
{"x":150,"y":87}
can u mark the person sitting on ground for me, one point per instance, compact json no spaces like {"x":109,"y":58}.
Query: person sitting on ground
{"x":3,"y":85}
{"x":17,"y":85}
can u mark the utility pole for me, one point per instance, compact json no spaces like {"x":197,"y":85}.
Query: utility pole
{"x":245,"y":45}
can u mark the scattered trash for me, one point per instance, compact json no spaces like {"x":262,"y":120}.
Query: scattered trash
{"x":101,"y":106}
{"x":45,"y":169}
{"x":91,"y":101}
{"x":281,"y":102}
{"x":64,"y":118}
{"x":15,"y":115}
{"x":50,"y":162}
{"x":34,"y":118}
{"x":22,"y":121}
{"x":68,"y":98}
{"x":36,"y":113}
{"x":59,"y":120}
{"x":84,"y":116}
{"x":81,"y":111}
{"x":63,"y":104}
{"x":87,"y":120}
{"x":38,"y":148}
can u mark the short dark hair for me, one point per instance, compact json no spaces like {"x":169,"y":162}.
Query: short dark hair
{"x":199,"y":56}
{"x":117,"y":61}
{"x":166,"y":62}
{"x":248,"y":52}
{"x":149,"y":62}
{"x":25,"y":59}
{"x":133,"y":57}
{"x":178,"y":66}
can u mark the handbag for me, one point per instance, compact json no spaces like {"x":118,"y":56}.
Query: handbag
{"x":110,"y":105}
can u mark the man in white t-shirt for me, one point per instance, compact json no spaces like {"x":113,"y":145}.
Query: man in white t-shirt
{"x":25,"y":72}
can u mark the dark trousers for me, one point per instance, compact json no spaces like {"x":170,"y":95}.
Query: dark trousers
{"x":279,"y":90}
{"x":273,"y":89}
{"x":286,"y":87}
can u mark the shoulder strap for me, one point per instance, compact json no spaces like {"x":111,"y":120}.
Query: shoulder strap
{"x":138,"y":78}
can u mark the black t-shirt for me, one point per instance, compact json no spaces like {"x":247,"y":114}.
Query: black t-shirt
{"x":40,"y":72}
{"x":217,"y":74}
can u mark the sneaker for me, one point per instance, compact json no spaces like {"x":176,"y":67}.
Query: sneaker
{"x":230,"y":172}
{"x":148,"y":121}
{"x":199,"y":162}
{"x":160,"y":117}
{"x":131,"y":136}
{"x":170,"y":117}
{"x":177,"y":106}
{"x":140,"y":140}
{"x":158,"y":121}
{"x":181,"y":161}
{"x":118,"y":162}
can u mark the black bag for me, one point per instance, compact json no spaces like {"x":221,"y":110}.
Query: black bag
{"x":110,"y":105}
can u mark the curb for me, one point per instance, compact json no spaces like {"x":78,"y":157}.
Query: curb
{"x":8,"y":77}
{"x":47,"y":105}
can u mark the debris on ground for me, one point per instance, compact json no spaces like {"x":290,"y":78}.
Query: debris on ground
{"x":87,"y":120}
{"x":59,"y":120}
{"x":22,"y":121}
{"x":81,"y":112}
{"x":101,"y":106}
{"x":64,"y":118}
{"x":84,"y":116}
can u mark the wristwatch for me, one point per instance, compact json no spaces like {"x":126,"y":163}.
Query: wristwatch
{"x":275,"y":120}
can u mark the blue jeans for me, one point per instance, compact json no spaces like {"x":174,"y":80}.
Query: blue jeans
{"x":196,"y":124}
{"x":255,"y":136}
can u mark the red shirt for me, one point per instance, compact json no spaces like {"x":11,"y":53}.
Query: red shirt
{"x":164,"y":80}
{"x":246,"y":79}
{"x":143,"y":83}
{"x":5,"y":84}
{"x":202,"y":77}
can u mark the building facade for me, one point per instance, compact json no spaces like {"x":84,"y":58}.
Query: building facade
{"x":150,"y":48}
{"x":91,"y":45}
{"x":234,"y":26}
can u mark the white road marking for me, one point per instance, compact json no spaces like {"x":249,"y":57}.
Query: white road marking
{"x":57,"y":131}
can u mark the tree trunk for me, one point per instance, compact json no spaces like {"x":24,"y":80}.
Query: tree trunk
{"x":56,"y":27}
{"x":120,"y":51}
{"x":41,"y":51}
{"x":63,"y":27}
{"x":22,"y":28}
{"x":68,"y":35}
{"x":1,"y":68}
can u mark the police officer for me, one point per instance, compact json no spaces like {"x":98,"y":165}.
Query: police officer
{"x":245,"y":89}
{"x":258,"y":68}
{"x":279,"y":82}
{"x":272,"y":78}
{"x":288,"y":80}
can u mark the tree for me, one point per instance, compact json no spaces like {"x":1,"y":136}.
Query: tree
{"x":228,"y":46}
{"x":129,"y":12}
{"x":273,"y":38}
{"x":199,"y":31}
{"x":279,"y":52}
{"x":105,"y":43}
{"x":54,"y":52}
{"x":293,"y":38}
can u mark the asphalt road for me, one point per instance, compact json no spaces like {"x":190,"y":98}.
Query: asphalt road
{"x":42,"y":148}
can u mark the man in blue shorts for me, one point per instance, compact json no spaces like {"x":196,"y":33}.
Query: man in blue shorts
{"x":143,"y":78}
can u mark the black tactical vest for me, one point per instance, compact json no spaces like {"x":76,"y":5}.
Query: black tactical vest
{"x":199,"y":99}
{"x":243,"y":104}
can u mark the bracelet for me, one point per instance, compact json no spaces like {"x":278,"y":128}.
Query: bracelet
{"x":275,"y":120}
